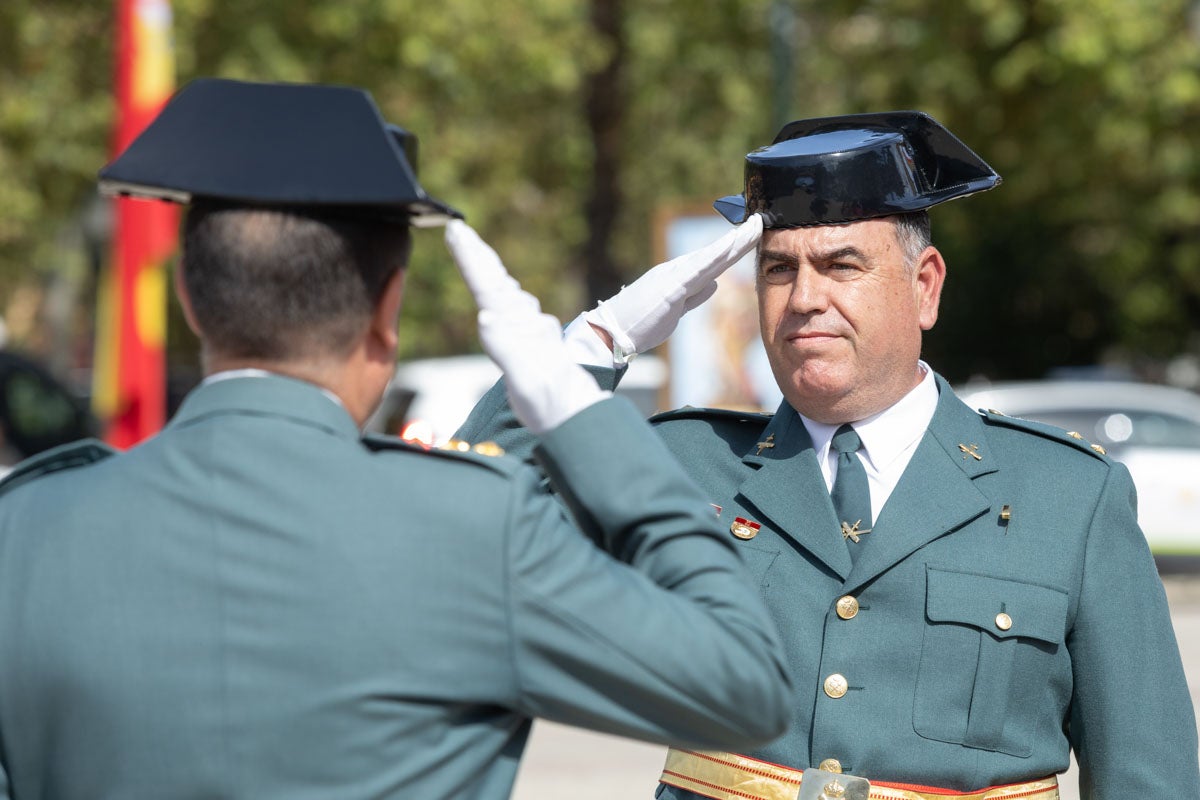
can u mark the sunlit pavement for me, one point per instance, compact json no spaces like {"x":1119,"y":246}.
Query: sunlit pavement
{"x":568,"y":763}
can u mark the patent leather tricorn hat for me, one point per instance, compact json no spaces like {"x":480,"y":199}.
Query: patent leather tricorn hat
{"x":277,"y":145}
{"x":858,"y":166}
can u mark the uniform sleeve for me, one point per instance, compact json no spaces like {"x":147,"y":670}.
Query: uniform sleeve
{"x":492,"y":420}
{"x":656,"y":633}
{"x":1132,"y":723}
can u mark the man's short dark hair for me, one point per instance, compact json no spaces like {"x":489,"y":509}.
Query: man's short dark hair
{"x":914,"y":234}
{"x":276,"y":284}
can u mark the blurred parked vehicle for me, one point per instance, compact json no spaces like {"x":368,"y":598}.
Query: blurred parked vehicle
{"x":1154,"y":430}
{"x":430,"y":398}
{"x":37,"y":411}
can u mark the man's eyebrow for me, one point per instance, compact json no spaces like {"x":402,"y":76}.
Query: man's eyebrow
{"x":781,"y":257}
{"x":778,"y":256}
{"x":849,"y":251}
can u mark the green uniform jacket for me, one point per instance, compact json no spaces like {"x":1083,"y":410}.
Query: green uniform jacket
{"x":256,"y":604}
{"x":943,"y":692}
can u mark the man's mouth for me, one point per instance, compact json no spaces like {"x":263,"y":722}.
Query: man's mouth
{"x":811,"y":336}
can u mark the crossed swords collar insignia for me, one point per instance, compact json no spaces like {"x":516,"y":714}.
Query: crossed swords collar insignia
{"x":852,"y":532}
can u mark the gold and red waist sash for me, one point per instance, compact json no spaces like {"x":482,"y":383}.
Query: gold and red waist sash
{"x":729,"y":776}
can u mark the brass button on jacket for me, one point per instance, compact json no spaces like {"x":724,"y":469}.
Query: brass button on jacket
{"x":831,"y":765}
{"x":847,"y":607}
{"x":836,"y":686}
{"x":1003,"y":621}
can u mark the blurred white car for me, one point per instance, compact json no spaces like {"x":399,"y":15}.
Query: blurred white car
{"x":430,"y":398}
{"x":1154,"y":430}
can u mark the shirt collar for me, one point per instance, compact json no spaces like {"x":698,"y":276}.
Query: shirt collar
{"x":888,"y":434}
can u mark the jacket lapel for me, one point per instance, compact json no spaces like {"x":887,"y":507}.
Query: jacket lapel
{"x":787,"y":488}
{"x":936,"y":494}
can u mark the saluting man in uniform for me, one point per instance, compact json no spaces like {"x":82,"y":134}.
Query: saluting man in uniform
{"x":965,"y":598}
{"x":259,"y":602}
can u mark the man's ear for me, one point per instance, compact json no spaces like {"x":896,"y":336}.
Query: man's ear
{"x":387,"y":314}
{"x":931,"y":275}
{"x":185,"y":300}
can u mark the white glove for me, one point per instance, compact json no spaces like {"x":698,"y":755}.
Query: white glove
{"x":644,"y":314}
{"x":545,"y":386}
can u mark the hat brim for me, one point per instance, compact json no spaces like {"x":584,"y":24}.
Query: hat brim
{"x":733,"y":208}
{"x":428,"y":212}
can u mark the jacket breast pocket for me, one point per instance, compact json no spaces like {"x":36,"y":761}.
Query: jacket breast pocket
{"x":989,"y":648}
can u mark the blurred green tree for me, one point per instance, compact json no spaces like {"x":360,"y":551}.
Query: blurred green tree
{"x":55,"y":109}
{"x":1088,"y":108}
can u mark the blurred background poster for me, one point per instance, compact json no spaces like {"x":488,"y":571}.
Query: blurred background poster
{"x":715,"y":357}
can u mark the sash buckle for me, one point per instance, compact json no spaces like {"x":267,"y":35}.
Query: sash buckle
{"x":817,"y":784}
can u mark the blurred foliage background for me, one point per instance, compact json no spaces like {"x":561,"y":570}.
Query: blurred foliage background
{"x":565,"y":129}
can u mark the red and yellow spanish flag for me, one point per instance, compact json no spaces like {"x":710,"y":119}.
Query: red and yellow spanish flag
{"x":129,"y":384}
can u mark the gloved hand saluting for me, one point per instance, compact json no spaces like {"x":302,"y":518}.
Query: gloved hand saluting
{"x":644,"y":314}
{"x":545,"y":386}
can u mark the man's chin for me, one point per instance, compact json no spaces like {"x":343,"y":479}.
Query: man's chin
{"x":819,"y":397}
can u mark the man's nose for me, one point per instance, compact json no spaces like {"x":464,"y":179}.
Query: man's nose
{"x":808,"y":293}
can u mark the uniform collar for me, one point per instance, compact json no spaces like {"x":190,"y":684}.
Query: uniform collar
{"x":267,"y":394}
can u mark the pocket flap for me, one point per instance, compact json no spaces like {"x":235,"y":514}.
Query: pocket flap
{"x":1001,"y":606}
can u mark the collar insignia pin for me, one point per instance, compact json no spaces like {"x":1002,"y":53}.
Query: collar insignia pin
{"x":769,"y":442}
{"x":852,"y":532}
{"x":971,"y":450}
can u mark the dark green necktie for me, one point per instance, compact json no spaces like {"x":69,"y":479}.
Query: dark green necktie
{"x":851,"y":494}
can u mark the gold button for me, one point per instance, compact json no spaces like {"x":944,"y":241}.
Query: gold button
{"x":836,"y":686}
{"x":847,"y":607}
{"x":1003,"y":621}
{"x":831,"y":765}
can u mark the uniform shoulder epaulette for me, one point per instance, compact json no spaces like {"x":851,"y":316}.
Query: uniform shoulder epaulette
{"x":1047,"y":431}
{"x":56,"y":459}
{"x":483,"y":453}
{"x":724,"y":414}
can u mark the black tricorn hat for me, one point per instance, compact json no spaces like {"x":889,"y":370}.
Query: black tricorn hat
{"x":278,"y":145}
{"x":858,"y":166}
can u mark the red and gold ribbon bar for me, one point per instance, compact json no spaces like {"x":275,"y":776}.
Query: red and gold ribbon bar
{"x":729,"y":776}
